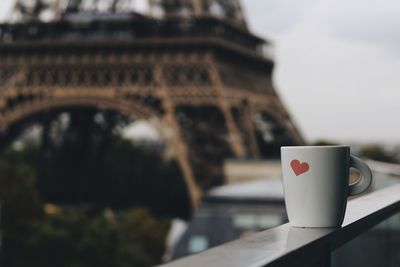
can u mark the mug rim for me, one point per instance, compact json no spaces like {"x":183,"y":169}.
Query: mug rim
{"x":315,"y":147}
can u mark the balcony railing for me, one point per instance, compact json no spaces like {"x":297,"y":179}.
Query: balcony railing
{"x":369,"y":236}
{"x":133,"y":29}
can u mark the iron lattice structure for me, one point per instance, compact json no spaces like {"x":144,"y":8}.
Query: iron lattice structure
{"x":204,"y":77}
{"x":31,"y":10}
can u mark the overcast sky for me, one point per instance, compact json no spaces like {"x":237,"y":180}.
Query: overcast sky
{"x":337,"y":64}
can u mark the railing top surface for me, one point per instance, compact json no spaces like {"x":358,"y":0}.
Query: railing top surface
{"x":276,"y":244}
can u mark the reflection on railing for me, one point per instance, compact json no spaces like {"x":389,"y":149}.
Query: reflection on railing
{"x":370,"y":236}
{"x":379,"y":246}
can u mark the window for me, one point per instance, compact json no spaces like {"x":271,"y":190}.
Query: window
{"x":197,"y":244}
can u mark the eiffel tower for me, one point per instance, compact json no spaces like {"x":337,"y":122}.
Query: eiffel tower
{"x":191,"y":64}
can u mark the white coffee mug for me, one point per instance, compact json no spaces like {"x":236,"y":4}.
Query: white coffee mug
{"x":316,"y":183}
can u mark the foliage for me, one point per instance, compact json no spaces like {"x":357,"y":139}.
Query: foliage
{"x":378,"y":152}
{"x":19,"y":199}
{"x":19,"y":205}
{"x":323,"y":142}
{"x":81,"y":162}
{"x":140,"y":227}
{"x":71,"y":238}
{"x":127,"y":176}
{"x":87,"y":161}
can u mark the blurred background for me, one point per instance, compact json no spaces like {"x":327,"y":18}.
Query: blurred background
{"x":136,"y":132}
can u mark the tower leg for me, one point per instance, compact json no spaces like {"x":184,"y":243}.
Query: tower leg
{"x":183,"y":157}
{"x":178,"y":144}
{"x":236,"y":141}
{"x":251,"y":131}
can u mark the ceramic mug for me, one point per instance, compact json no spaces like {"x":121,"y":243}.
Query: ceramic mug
{"x":316,"y":183}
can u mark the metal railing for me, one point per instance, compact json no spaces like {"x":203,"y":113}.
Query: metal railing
{"x":289,"y":246}
{"x":131,"y":28}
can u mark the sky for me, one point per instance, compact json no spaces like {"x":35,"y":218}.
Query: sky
{"x":337,"y":64}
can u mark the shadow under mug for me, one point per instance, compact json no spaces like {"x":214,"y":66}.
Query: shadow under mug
{"x":316,"y":183}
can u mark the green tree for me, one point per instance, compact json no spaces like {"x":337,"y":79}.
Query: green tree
{"x":85,"y":160}
{"x":20,"y":206}
{"x":378,"y":152}
{"x":88,"y":164}
{"x":142,"y":228}
{"x":71,"y":238}
{"x":323,"y":142}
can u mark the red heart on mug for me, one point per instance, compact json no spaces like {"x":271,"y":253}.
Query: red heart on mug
{"x":299,"y":167}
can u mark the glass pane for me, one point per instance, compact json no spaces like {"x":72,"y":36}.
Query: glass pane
{"x":244,"y":221}
{"x":379,"y":246}
{"x":197,"y":244}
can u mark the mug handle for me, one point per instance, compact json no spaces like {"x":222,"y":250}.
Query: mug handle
{"x":365,"y":179}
